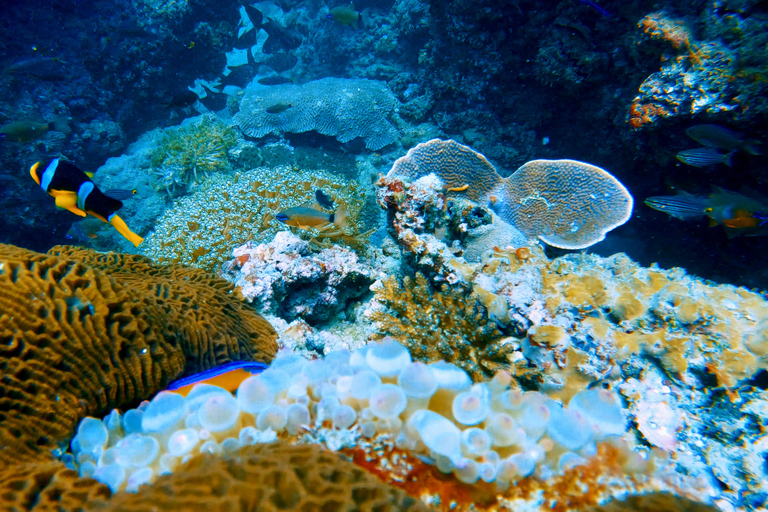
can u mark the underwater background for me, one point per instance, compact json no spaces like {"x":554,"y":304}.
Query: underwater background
{"x":369,"y":180}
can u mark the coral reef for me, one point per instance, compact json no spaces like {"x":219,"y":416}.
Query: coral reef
{"x":449,"y":325}
{"x":83,"y":332}
{"x":701,"y":77}
{"x":285,"y":278}
{"x":564,"y":203}
{"x":185,"y":154}
{"x":343,"y":108}
{"x":268,"y":477}
{"x":403,"y":421}
{"x":226,"y":211}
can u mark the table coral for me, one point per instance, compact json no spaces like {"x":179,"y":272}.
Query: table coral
{"x":82,"y":332}
{"x":339,"y":107}
{"x":285,"y":278}
{"x":226,"y":211}
{"x":564,"y":203}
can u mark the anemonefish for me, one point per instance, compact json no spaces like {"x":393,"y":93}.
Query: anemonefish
{"x":304,"y":217}
{"x":227,"y":376}
{"x":73,"y":190}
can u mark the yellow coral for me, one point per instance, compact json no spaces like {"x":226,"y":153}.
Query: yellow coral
{"x":201,"y":229}
{"x":448,"y":325}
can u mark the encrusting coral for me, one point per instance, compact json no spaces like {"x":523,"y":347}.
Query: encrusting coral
{"x":564,"y":203}
{"x":339,"y":107}
{"x":82,"y":332}
{"x":226,"y":211}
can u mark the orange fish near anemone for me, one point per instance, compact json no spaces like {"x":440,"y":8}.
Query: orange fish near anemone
{"x":740,"y":215}
{"x":73,"y":190}
{"x":228,"y":376}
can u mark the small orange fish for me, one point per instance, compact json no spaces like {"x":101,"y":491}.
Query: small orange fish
{"x":304,"y":217}
{"x":228,"y":376}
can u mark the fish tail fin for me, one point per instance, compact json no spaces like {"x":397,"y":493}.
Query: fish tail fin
{"x":60,"y":124}
{"x":751,"y":147}
{"x":340,"y":217}
{"x":683,"y":206}
{"x":123,"y":229}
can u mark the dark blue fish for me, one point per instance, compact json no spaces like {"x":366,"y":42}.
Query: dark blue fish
{"x":596,"y":7}
{"x":323,"y":199}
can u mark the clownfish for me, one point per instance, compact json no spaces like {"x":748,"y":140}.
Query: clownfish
{"x":73,"y":190}
{"x":739,"y":214}
{"x":304,"y":217}
{"x":228,"y":376}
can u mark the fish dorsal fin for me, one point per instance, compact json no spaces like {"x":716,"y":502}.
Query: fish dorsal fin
{"x":313,"y":205}
{"x":352,"y":5}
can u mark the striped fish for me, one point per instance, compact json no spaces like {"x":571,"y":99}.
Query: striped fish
{"x":702,"y":157}
{"x":227,"y":376}
{"x":682,"y":206}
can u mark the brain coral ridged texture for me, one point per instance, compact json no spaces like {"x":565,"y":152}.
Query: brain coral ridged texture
{"x":565,"y":203}
{"x":339,"y":107}
{"x":82,"y":332}
{"x":266,"y":478}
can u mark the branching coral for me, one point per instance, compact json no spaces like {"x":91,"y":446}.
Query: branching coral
{"x":194,"y":149}
{"x":448,"y":325}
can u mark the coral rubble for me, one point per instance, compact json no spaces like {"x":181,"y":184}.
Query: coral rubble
{"x":285,"y":278}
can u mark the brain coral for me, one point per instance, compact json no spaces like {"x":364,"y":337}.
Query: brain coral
{"x":269,"y":477}
{"x":340,"y":107}
{"x":82,"y":332}
{"x":201,"y":229}
{"x":564,"y":203}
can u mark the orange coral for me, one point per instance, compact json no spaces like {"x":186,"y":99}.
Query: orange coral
{"x":642,"y":114}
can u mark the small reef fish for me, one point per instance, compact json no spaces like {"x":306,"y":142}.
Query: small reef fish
{"x":277,"y":108}
{"x":120,"y":194}
{"x":274,"y":80}
{"x":714,"y":136}
{"x":228,"y":376}
{"x":85,"y":231}
{"x":702,"y":157}
{"x":323,"y":199}
{"x":304,"y":217}
{"x":739,"y":214}
{"x":183,"y":100}
{"x":73,"y":190}
{"x":346,"y":15}
{"x":27,"y":131}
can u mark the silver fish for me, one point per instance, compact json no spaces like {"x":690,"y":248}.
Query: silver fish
{"x":702,"y":157}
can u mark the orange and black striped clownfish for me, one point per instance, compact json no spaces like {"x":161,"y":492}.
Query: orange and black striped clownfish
{"x":74,"y":191}
{"x":228,"y":376}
